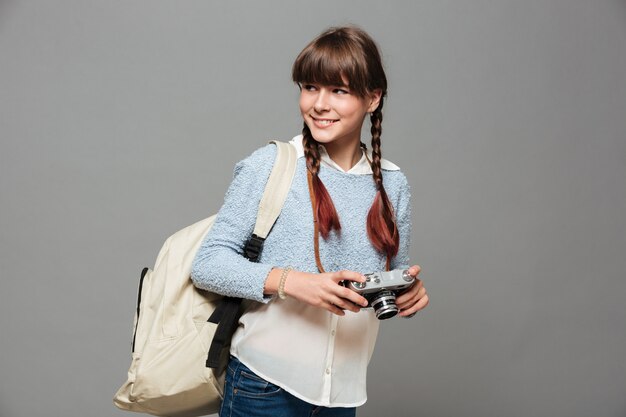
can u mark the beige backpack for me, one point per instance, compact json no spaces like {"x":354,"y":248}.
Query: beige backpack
{"x":175,"y":322}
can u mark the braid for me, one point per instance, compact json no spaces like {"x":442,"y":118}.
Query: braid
{"x":377,"y":119}
{"x":381,"y":223}
{"x":311,"y":151}
{"x":326,"y":213}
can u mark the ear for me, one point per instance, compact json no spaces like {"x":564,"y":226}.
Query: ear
{"x":374,"y":98}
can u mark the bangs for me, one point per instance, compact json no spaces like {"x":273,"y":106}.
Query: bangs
{"x":332,"y":61}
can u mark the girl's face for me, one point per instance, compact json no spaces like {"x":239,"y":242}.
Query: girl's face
{"x":334,"y":114}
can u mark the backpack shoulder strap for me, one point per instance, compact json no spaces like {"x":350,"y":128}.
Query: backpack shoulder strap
{"x":226,"y":314}
{"x":273,"y":199}
{"x":277,"y":187}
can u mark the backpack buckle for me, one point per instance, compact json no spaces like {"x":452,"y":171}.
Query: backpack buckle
{"x":253,"y":248}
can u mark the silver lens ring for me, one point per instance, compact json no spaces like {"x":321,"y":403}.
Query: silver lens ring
{"x":385,"y":305}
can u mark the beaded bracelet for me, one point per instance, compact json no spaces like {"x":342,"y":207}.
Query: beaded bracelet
{"x":281,"y":283}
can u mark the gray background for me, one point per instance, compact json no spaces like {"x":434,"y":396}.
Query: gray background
{"x":120,"y":122}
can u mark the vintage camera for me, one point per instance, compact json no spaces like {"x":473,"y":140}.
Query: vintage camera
{"x":380,"y":290}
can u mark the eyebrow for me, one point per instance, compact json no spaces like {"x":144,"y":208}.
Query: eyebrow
{"x":301,"y":83}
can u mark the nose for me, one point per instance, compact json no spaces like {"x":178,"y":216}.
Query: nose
{"x":321,"y":101}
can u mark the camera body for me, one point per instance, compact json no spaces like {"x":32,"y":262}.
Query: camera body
{"x":380,"y":290}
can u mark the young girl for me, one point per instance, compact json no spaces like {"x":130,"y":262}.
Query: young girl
{"x":303,"y":347}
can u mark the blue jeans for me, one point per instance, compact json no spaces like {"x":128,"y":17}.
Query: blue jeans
{"x":248,"y":395}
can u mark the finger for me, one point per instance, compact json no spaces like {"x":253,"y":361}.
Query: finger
{"x":348,"y":275}
{"x":344,"y":304}
{"x":410,"y":302}
{"x":352,"y":296}
{"x":334,"y":309}
{"x":410,"y":293}
{"x":412,"y":296}
{"x":422,"y":303}
{"x":414,"y":270}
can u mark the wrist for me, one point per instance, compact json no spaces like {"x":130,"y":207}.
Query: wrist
{"x":272,"y":281}
{"x":281,"y":283}
{"x":277,"y":281}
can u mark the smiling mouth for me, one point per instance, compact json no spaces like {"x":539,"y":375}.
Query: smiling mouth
{"x":324,"y":122}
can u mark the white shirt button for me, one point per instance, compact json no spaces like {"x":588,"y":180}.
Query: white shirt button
{"x":333,"y":332}
{"x":327,"y":371}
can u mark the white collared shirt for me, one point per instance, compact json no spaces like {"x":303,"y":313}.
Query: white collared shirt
{"x":362,"y":167}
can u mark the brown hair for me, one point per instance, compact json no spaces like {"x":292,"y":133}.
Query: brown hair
{"x":349,"y":53}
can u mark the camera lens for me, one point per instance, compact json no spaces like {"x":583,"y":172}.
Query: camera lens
{"x":384,"y":305}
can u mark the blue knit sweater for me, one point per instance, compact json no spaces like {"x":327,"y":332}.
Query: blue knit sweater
{"x":219,"y":266}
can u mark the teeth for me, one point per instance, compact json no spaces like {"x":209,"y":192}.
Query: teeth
{"x":325,"y":122}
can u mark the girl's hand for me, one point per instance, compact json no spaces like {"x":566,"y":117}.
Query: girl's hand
{"x":413,"y":299}
{"x":324,"y":291}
